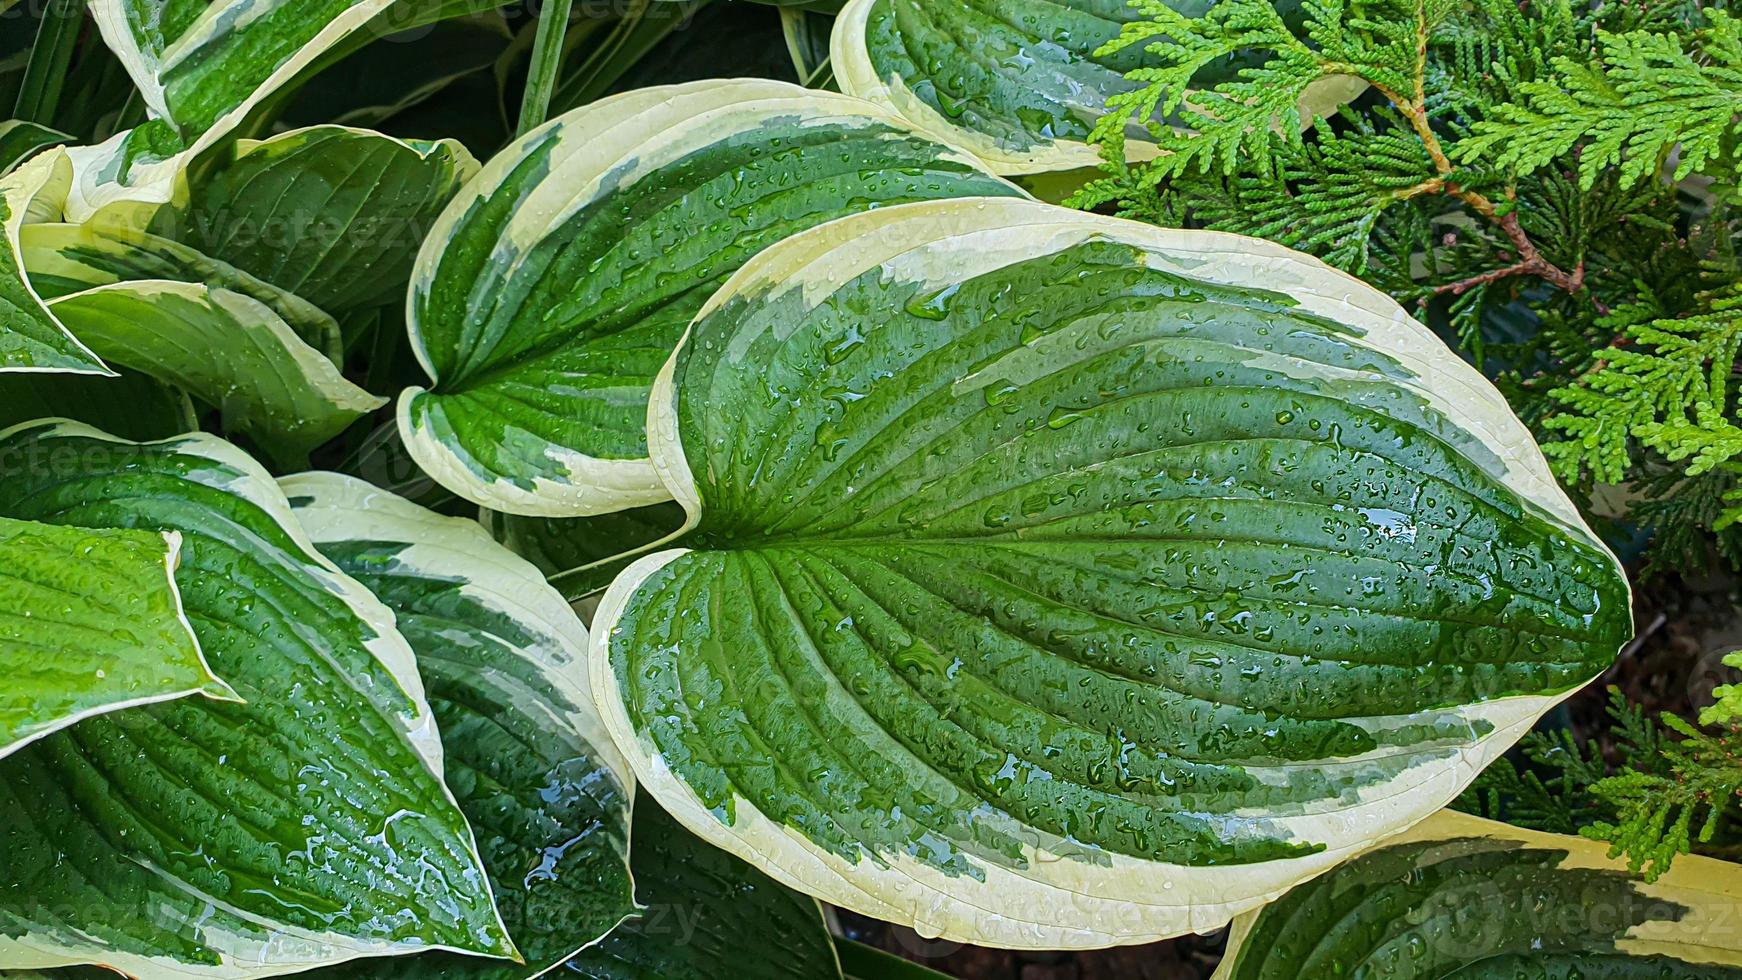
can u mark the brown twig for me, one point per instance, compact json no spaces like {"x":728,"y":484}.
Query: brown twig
{"x":1530,"y":261}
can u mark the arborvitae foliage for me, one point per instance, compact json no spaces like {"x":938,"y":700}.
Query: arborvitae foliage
{"x":1675,"y":788}
{"x":1552,"y":185}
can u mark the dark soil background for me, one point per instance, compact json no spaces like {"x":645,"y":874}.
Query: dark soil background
{"x":1190,"y":958}
{"x":1684,"y":629}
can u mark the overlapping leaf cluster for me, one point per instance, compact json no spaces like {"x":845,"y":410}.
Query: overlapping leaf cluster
{"x":935,"y":631}
{"x":219,"y":749}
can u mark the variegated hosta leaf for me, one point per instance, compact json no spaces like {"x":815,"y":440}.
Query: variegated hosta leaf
{"x":1468,"y":898}
{"x":551,"y":290}
{"x":130,"y":405}
{"x":707,"y":916}
{"x":228,"y":350}
{"x":201,"y":66}
{"x":331,"y":214}
{"x":1065,"y":581}
{"x":581,"y":555}
{"x":197,"y":838}
{"x":90,"y":621}
{"x":64,"y":258}
{"x":31,"y":339}
{"x":527,"y":757}
{"x":1017,"y":82}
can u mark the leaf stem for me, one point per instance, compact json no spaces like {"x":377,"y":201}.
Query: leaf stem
{"x":547,"y":59}
{"x":39,"y":92}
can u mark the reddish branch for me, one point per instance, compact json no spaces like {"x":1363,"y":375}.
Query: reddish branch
{"x":1530,"y":261}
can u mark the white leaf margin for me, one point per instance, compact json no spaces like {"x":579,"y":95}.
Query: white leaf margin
{"x":850,"y":54}
{"x":264,"y":329}
{"x":33,"y":190}
{"x":342,"y":508}
{"x":95,"y":184}
{"x":1708,"y":888}
{"x":466,"y":165}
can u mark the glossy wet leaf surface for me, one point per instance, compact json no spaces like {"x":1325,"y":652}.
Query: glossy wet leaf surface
{"x":90,"y":621}
{"x":1045,"y":567}
{"x":63,"y":259}
{"x":31,"y":339}
{"x":201,"y":66}
{"x":252,"y":367}
{"x":500,"y":652}
{"x":1019,"y":82}
{"x":331,"y":214}
{"x":305,"y":825}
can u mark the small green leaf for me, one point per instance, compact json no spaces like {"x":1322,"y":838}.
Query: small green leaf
{"x":557,"y":283}
{"x":1727,"y":706}
{"x":251,"y":365}
{"x":90,"y":621}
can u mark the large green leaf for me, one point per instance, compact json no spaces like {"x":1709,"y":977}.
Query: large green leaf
{"x":527,"y":756}
{"x":707,"y":916}
{"x":1466,"y":898}
{"x":31,"y":339}
{"x":201,"y":67}
{"x":198,"y":838}
{"x":554,"y":286}
{"x":331,"y":214}
{"x":226,"y":349}
{"x":1064,"y":581}
{"x":130,"y":405}
{"x":90,"y":621}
